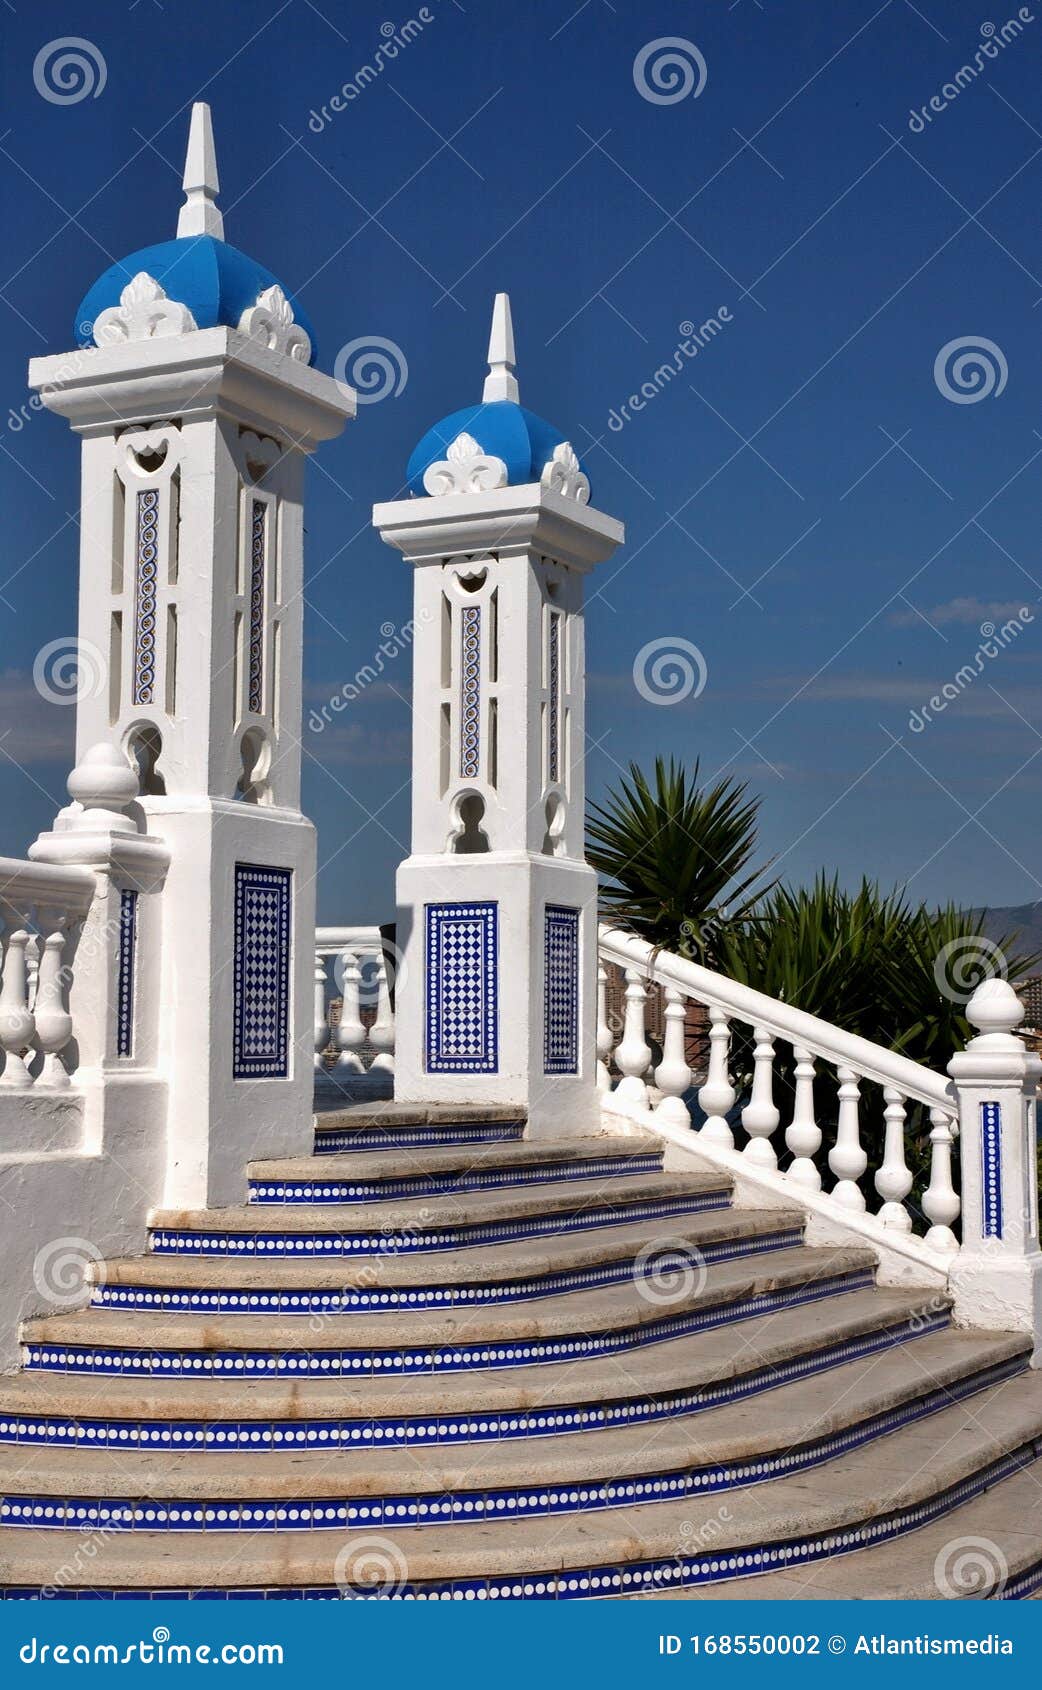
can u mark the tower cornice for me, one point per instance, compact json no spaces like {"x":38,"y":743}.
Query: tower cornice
{"x":509,"y":521}
{"x":201,"y":373}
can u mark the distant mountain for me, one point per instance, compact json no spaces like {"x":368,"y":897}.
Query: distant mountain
{"x":1022,"y":921}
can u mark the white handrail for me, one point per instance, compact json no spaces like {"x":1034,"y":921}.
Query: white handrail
{"x":781,"y":1020}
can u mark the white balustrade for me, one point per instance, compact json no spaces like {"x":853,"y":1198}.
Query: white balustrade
{"x":42,"y":907}
{"x":673,"y":1076}
{"x":633,"y":1054}
{"x":605,"y":1039}
{"x":818,"y":1050}
{"x":718,"y":1096}
{"x":359,"y":962}
{"x":940,"y":1201}
{"x":803,"y":1135}
{"x":894,"y":1177}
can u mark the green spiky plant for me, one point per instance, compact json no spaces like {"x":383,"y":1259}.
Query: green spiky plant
{"x":674,"y":857}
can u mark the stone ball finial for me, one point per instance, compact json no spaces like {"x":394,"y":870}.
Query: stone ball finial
{"x":995,"y":1007}
{"x":103,"y":779}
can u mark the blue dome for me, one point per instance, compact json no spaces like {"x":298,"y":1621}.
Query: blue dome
{"x":502,"y":429}
{"x":216,"y":281}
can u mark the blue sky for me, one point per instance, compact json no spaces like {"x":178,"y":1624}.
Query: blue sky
{"x":803,"y":502}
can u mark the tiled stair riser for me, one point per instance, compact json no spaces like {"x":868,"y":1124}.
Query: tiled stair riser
{"x":446,"y":1429}
{"x":678,"y":1572}
{"x":172,"y":1241}
{"x":85,"y":1514}
{"x":321,"y":1192}
{"x":331,"y":1141}
{"x":353,"y":1300}
{"x":99,"y":1359}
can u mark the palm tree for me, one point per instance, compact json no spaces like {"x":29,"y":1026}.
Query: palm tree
{"x":674,"y":857}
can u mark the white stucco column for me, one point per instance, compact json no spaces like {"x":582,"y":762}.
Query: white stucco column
{"x":997,"y":1275}
{"x":496,"y":906}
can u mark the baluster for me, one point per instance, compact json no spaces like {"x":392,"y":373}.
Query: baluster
{"x":350,"y":1034}
{"x":847,"y":1158}
{"x":940,"y":1201}
{"x":717,"y":1096}
{"x":16,"y":1021}
{"x":803,"y":1135}
{"x":604,"y":1032}
{"x":633,"y":1053}
{"x":673,"y":1076}
{"x":321,"y":1017}
{"x":760,"y":1117}
{"x":893,"y":1179}
{"x":381,"y":1033}
{"x":53,"y":1021}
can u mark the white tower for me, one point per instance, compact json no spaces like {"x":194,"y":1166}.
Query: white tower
{"x":497,"y":920}
{"x":197,"y":406}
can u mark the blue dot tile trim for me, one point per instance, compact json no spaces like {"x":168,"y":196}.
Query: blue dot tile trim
{"x":433,"y":1359}
{"x":393,"y":1299}
{"x":677,"y":1572}
{"x":320,"y":1191}
{"x":445,"y":1430}
{"x":333,"y":1141}
{"x":173,"y":1241}
{"x":125,"y":968}
{"x":262,"y":949}
{"x":502,"y":1503}
{"x":991,"y":1169}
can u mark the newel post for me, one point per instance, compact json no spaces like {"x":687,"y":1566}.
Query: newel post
{"x":996,"y":1277}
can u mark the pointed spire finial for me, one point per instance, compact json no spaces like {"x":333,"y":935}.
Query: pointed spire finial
{"x":501,"y":382}
{"x":200,"y":214}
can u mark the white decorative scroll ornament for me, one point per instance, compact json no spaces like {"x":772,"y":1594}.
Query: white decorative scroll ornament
{"x":144,"y":312}
{"x":271,"y":322}
{"x":465,"y":469}
{"x":563,"y":475}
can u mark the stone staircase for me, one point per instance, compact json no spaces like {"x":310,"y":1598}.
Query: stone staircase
{"x":438,"y":1360}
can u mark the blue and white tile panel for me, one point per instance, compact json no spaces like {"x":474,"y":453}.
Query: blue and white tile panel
{"x":322,"y":1191}
{"x":513,"y":1502}
{"x":395,"y":1298}
{"x":126,"y":962}
{"x":560,"y":990}
{"x":332,"y":1141}
{"x":991,"y":1169}
{"x":180,"y":1241}
{"x":431,"y":1360}
{"x":462,"y":988}
{"x":262,"y":952}
{"x":424,"y":1431}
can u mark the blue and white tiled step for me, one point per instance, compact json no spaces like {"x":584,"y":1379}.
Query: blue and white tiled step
{"x":482,"y":1305}
{"x":447,"y":1171}
{"x":562,"y":1328}
{"x":395,"y":1126}
{"x":520,"y":1271}
{"x":422,"y":1224}
{"x":678,"y":1377}
{"x":945,"y":1461}
{"x":189,"y":1491}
